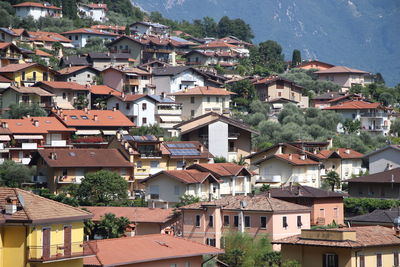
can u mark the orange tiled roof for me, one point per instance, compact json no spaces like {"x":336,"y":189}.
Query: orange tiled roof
{"x":63,"y":85}
{"x":108,"y":27}
{"x":97,"y":6}
{"x":33,"y":4}
{"x":185,"y":176}
{"x":204,"y":90}
{"x":4,"y":45}
{"x":4,"y":79}
{"x":147,"y":249}
{"x":341,"y":69}
{"x":105,"y":118}
{"x":41,"y":53}
{"x":344,"y":153}
{"x":27,"y":125}
{"x":215,"y":44}
{"x":18,"y":67}
{"x":295,"y":159}
{"x":72,"y":69}
{"x":91,"y":31}
{"x":18,"y":32}
{"x":355,"y":104}
{"x":221,"y":169}
{"x":48,"y":37}
{"x":103,"y":90}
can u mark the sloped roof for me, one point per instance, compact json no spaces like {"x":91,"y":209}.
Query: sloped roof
{"x":293,"y":159}
{"x":98,"y":55}
{"x":73,"y":69}
{"x":303,"y":191}
{"x":395,"y":147}
{"x":48,"y":37}
{"x":146,"y":248}
{"x":41,"y":53}
{"x":103,"y":90}
{"x":170,"y":70}
{"x":341,"y":69}
{"x":378,"y":216}
{"x":4,"y":79}
{"x":27,"y":126}
{"x":221,"y":169}
{"x":389,"y":176}
{"x":90,"y":31}
{"x":203,"y":90}
{"x":215,"y":44}
{"x":355,"y":104}
{"x":34,"y":4}
{"x":62,"y":85}
{"x":344,"y":153}
{"x":75,"y":60}
{"x":309,"y":62}
{"x":172,"y":149}
{"x":34,"y":209}
{"x":18,"y":67}
{"x":329,"y":96}
{"x":31,"y":90}
{"x":185,"y":176}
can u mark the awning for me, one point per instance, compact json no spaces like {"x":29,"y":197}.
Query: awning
{"x":65,"y":105}
{"x":109,"y":132}
{"x":125,"y":132}
{"x":5,"y":138}
{"x":88,"y":132}
{"x":171,"y":118}
{"x":68,"y":45}
{"x":27,"y":137}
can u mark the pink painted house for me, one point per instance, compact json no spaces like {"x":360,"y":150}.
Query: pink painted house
{"x":206,"y":222}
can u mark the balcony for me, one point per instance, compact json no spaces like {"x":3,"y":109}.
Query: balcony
{"x":152,"y":50}
{"x":57,"y":143}
{"x":154,"y":196}
{"x":29,"y":145}
{"x":150,"y":154}
{"x":133,"y":82}
{"x":233,"y":135}
{"x":61,"y":252}
{"x":373,"y":114}
{"x":270,"y":179}
{"x":63,"y":179}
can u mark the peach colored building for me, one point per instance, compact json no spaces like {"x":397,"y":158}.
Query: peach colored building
{"x":326,"y":206}
{"x":314,"y":64}
{"x":149,"y":251}
{"x":207,"y":222}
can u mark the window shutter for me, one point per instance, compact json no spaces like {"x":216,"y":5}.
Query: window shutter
{"x":324,"y":260}
{"x":336,"y":261}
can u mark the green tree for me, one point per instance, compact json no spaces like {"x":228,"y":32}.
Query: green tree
{"x":153,"y":129}
{"x":219,"y":160}
{"x":13,"y":174}
{"x":296,"y":58}
{"x":111,"y":226}
{"x":332,"y":179}
{"x":127,"y":29}
{"x":81,"y":102}
{"x":17,"y":111}
{"x":186,"y":200}
{"x":265,"y":188}
{"x":351,"y":127}
{"x":70,"y":9}
{"x":102,"y":188}
{"x":245,"y":93}
{"x":395,"y":127}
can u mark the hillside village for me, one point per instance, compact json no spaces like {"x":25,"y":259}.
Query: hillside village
{"x":141,"y":144}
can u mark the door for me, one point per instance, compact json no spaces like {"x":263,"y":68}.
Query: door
{"x":67,"y":240}
{"x":46,"y":243}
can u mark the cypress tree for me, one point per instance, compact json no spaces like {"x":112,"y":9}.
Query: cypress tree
{"x":296,"y":58}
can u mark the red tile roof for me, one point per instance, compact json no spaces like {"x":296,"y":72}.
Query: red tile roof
{"x":215,"y":44}
{"x":62,"y":85}
{"x":48,"y":37}
{"x":134,"y":214}
{"x":341,"y":69}
{"x":90,"y":31}
{"x":97,"y":6}
{"x":41,"y":53}
{"x":33,"y":4}
{"x":72,"y":69}
{"x":355,"y":104}
{"x":108,"y":27}
{"x":4,"y":45}
{"x":203,"y":90}
{"x":27,"y":125}
{"x":344,"y":153}
{"x":221,"y":169}
{"x":103,"y":90}
{"x":295,"y":159}
{"x":185,"y":176}
{"x":18,"y":67}
{"x":104,"y":118}
{"x":146,"y":248}
{"x":4,"y":79}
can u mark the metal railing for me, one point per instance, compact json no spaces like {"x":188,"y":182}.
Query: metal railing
{"x":61,"y":251}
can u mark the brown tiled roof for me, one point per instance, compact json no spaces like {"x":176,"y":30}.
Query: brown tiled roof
{"x":272,"y":79}
{"x":366,"y":236}
{"x":221,"y":169}
{"x":344,"y":153}
{"x":312,"y":62}
{"x":254,"y":203}
{"x":4,"y":45}
{"x":215,"y":44}
{"x":26,"y":125}
{"x":35,"y":209}
{"x":108,"y":27}
{"x":103,"y":90}
{"x":34,"y":4}
{"x":129,"y":70}
{"x":31,"y":90}
{"x":90,"y":31}
{"x":84,"y":158}
{"x":48,"y":37}
{"x":302,"y":191}
{"x":17,"y":67}
{"x":203,"y":90}
{"x":41,"y":53}
{"x":377,"y":217}
{"x":185,"y":176}
{"x":389,"y":176}
{"x":72,"y":69}
{"x":131,"y":97}
{"x":294,"y":159}
{"x":341,"y":69}
{"x":97,"y":6}
{"x":134,"y":214}
{"x":146,"y":248}
{"x":4,"y":79}
{"x":105,"y":118}
{"x":355,"y":104}
{"x":63,"y":85}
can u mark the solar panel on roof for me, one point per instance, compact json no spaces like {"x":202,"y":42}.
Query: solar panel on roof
{"x":184,"y":145}
{"x":128,"y":138}
{"x":184,"y":152}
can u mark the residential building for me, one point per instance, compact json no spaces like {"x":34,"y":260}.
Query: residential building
{"x":29,"y":134}
{"x":96,"y":12}
{"x":326,"y":206}
{"x":37,"y":231}
{"x":27,"y":95}
{"x":345,"y":77}
{"x":4,"y":82}
{"x":170,"y":251}
{"x":37,"y":10}
{"x":140,"y":109}
{"x":380,"y":217}
{"x":384,"y":184}
{"x":99,"y":95}
{"x":9,"y":54}
{"x":343,"y":247}
{"x":207,"y":222}
{"x":80,"y":37}
{"x":223,"y":136}
{"x":66,"y":94}
{"x":198,"y":101}
{"x":43,"y":55}
{"x":216,"y":46}
{"x":110,"y":28}
{"x":14,"y":36}
{"x":374,"y":117}
{"x":128,"y":80}
{"x":314,"y":64}
{"x":62,"y":167}
{"x":102,"y":61}
{"x":84,"y":75}
{"x":149,"y":28}
{"x":74,"y":60}
{"x":40,"y":39}
{"x":211,"y":58}
{"x":168,"y":113}
{"x":274,"y":87}
{"x":26,"y":74}
{"x":144,"y":221}
{"x":331,"y":99}
{"x":384,"y":159}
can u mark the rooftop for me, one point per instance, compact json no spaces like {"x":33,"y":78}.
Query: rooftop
{"x":103,"y":90}
{"x":62,"y":85}
{"x":185,"y":176}
{"x":203,"y":90}
{"x":73,"y":69}
{"x":221,"y":169}
{"x":48,"y":37}
{"x":43,"y":125}
{"x":299,"y":191}
{"x":355,"y":104}
{"x":389,"y":176}
{"x":377,"y":217}
{"x":341,"y":69}
{"x":31,"y":90}
{"x":18,"y":67}
{"x":34,"y":4}
{"x":90,"y":31}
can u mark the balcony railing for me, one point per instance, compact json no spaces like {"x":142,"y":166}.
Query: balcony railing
{"x":373,"y":114}
{"x":154,"y":196}
{"x":270,"y":178}
{"x":62,"y":179}
{"x":29,"y":145}
{"x":61,"y":252}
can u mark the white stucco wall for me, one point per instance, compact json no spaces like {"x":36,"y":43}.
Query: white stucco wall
{"x":218,"y":139}
{"x":135,"y":110}
{"x":378,"y":162}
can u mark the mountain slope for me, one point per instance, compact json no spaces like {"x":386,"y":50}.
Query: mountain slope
{"x":362,"y":34}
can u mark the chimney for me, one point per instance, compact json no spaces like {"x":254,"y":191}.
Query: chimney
{"x":347,"y":151}
{"x":119,"y":136}
{"x":130,"y":150}
{"x":4,"y":125}
{"x":131,"y":158}
{"x":36,"y":123}
{"x":330,"y":145}
{"x":303,"y":157}
{"x":161,"y":139}
{"x":114,"y":109}
{"x":86,"y":110}
{"x":53,"y":155}
{"x":269,"y":194}
{"x":11,"y":205}
{"x":126,"y":145}
{"x":290,"y":157}
{"x":95,"y":117}
{"x":28,"y":116}
{"x":162,"y":95}
{"x":123,"y":94}
{"x":65,"y":117}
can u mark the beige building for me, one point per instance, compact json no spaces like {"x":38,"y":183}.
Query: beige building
{"x":128,"y":80}
{"x":200,"y":100}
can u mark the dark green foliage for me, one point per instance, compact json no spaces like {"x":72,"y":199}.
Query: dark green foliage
{"x":186,"y":200}
{"x":17,"y":111}
{"x":358,"y":206}
{"x":234,"y":27}
{"x":69,"y":9}
{"x":111,"y":226}
{"x":13,"y":174}
{"x":351,"y":127}
{"x":153,"y":129}
{"x":296,"y":57}
{"x":62,"y":197}
{"x":395,"y":127}
{"x":379,"y":92}
{"x":81,"y":102}
{"x":245,"y":93}
{"x":265,"y":188}
{"x":219,"y":160}
{"x":332,"y":179}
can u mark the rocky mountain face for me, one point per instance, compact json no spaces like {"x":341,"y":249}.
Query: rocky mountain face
{"x":363,"y":34}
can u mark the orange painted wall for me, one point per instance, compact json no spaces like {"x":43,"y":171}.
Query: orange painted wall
{"x":328,"y":205}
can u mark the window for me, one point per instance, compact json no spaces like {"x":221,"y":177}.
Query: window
{"x":322,"y":213}
{"x":154,"y":164}
{"x":263,"y":222}
{"x":84,"y":117}
{"x":192,"y":99}
{"x":396,"y":259}
{"x":128,"y":106}
{"x":139,"y":164}
{"x":187,"y":264}
{"x":45,"y":76}
{"x":174,"y":265}
{"x":192,"y":113}
{"x":23,"y":75}
{"x":180,"y":164}
{"x":176,"y":190}
{"x":64,"y":172}
{"x":279,"y":93}
{"x":76,"y":37}
{"x":247,"y":221}
{"x":117,"y":106}
{"x":208,"y":99}
{"x":211,"y":242}
{"x":226,"y":220}
{"x":378,"y":260}
{"x":144,"y":106}
{"x":211,"y":221}
{"x":236,"y":221}
{"x":197,"y":222}
{"x":73,"y":117}
{"x":331,"y":260}
{"x":64,"y":96}
{"x":362,"y":261}
{"x":284,"y":222}
{"x":144,"y":120}
{"x":217,"y":99}
{"x":34,"y":75}
{"x":25,"y":98}
{"x":299,"y":223}
{"x":335,"y":212}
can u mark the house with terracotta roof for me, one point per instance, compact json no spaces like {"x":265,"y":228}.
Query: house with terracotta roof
{"x":329,"y":99}
{"x":110,"y":28}
{"x":149,"y":28}
{"x":66,"y":94}
{"x":345,"y":77}
{"x":9,"y":54}
{"x":26,"y":74}
{"x":206,"y":222}
{"x":41,"y":39}
{"x":29,"y":134}
{"x":170,"y":251}
{"x":274,"y":87}
{"x":351,"y":247}
{"x":37,"y":10}
{"x":130,"y":80}
{"x":168,"y":113}
{"x":314,"y":64}
{"x":198,"y":101}
{"x":223,"y":136}
{"x":383,"y":159}
{"x":139,"y":108}
{"x":143,"y":221}
{"x":152,"y":155}
{"x":13,"y":35}
{"x":39,"y":231}
{"x":84,"y":75}
{"x":96,"y":12}
{"x":62,"y":167}
{"x":326,"y":206}
{"x":79,"y":37}
{"x":102,"y":61}
{"x":212,"y":58}
{"x":374,"y":117}
{"x":99,"y":94}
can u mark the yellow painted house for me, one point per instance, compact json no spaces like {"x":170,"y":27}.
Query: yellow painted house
{"x":36,"y":231}
{"x":27,"y":74}
{"x":366,"y":246}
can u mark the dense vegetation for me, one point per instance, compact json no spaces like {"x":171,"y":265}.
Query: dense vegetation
{"x":358,"y":206}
